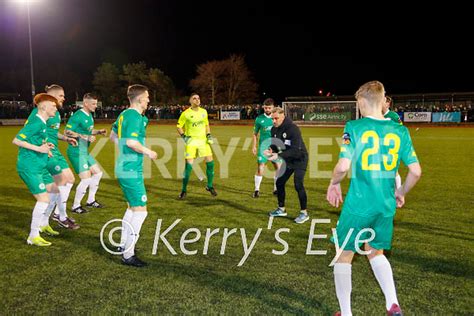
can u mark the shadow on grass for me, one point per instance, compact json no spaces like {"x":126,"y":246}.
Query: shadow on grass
{"x":272,"y":295}
{"x":454,"y":268}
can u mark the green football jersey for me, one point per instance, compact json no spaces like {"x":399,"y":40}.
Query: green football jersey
{"x":375,"y":148}
{"x":263,"y":125}
{"x":53,"y":124}
{"x":393,"y":116}
{"x":81,"y":123}
{"x":129,"y":125}
{"x":34,"y":132}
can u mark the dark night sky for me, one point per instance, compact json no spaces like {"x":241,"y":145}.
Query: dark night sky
{"x":292,"y":48}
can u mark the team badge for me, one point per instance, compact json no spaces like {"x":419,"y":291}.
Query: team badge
{"x":42,"y":186}
{"x":284,"y":135}
{"x":144,"y":198}
{"x":346,"y":138}
{"x":57,"y":168}
{"x":85,"y":166}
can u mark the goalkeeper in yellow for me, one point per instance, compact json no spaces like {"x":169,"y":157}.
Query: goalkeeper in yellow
{"x":193,"y":127}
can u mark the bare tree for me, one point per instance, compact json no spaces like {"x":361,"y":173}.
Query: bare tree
{"x":209,"y":80}
{"x":239,"y":85}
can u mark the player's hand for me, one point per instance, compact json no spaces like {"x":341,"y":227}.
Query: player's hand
{"x":44,"y":148}
{"x":400,"y":198}
{"x":272,"y":157}
{"x":334,"y":194}
{"x":91,"y":139}
{"x":71,"y":141}
{"x":50,"y":154}
{"x":152,"y":154}
{"x":186,"y":139}
{"x":267,"y":152}
{"x":254,"y":150}
{"x":50,"y":145}
{"x":210,"y":141}
{"x":102,"y":132}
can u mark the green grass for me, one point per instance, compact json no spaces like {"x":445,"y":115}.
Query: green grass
{"x":432,"y":255}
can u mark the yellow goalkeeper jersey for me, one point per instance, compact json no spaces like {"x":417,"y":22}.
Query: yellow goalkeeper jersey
{"x":194,"y":123}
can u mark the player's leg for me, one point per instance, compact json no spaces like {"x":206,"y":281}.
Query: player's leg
{"x":210,"y":174}
{"x":126,"y":220}
{"x":34,"y":182}
{"x":383,"y":229}
{"x":343,"y":281}
{"x":190,"y":153}
{"x":53,"y":193}
{"x":261,"y":161}
{"x":348,"y":227}
{"x":81,"y":190}
{"x":135,"y":194}
{"x":64,"y":181}
{"x":94,"y":185}
{"x":302,"y":197}
{"x":258,"y":177}
{"x":79,"y":162}
{"x":204,"y":150}
{"x":281,"y":182}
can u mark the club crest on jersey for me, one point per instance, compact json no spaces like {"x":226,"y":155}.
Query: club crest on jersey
{"x":346,"y":138}
{"x":144,"y":198}
{"x":284,"y":135}
{"x":42,"y":186}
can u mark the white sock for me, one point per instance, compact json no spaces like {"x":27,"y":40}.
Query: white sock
{"x":275,"y":183}
{"x":94,"y":186}
{"x":383,"y":273}
{"x":258,"y":180}
{"x":37,"y":217}
{"x":64,"y":191}
{"x":398,"y":181}
{"x":81,"y":190}
{"x":53,"y":199}
{"x":137,"y":220}
{"x":343,"y":283}
{"x":126,"y":218}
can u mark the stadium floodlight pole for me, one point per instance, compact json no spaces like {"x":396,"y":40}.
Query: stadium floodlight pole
{"x":33,"y":92}
{"x":27,"y":2}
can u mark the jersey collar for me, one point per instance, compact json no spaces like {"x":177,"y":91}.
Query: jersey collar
{"x":386,"y":112}
{"x":373,"y":118}
{"x":85,"y":112}
{"x":42,"y":119}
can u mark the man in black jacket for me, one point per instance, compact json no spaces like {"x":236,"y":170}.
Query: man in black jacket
{"x":288,"y":145}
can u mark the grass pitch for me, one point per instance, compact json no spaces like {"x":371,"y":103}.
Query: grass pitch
{"x":432,"y":254}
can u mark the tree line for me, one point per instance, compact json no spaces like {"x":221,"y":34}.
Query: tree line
{"x":227,"y":81}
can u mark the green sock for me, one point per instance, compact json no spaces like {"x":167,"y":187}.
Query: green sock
{"x":210,"y":173}
{"x":187,"y":173}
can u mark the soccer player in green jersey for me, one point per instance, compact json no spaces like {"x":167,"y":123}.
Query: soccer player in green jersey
{"x":129,"y":133}
{"x":81,"y":126}
{"x":193,"y":127}
{"x":374,"y":146}
{"x":57,"y":165}
{"x":32,"y":165}
{"x":387,"y":113}
{"x":263,"y":127}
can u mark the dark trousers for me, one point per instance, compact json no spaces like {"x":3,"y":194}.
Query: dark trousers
{"x":299,"y":186}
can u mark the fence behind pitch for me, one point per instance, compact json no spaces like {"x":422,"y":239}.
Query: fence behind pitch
{"x":322,"y":112}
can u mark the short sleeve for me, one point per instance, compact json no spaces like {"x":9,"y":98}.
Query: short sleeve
{"x":347,"y":146}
